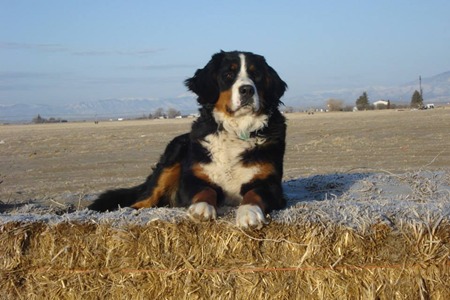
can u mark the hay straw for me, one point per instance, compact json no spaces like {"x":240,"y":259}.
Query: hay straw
{"x":343,"y":236}
{"x":216,"y":260}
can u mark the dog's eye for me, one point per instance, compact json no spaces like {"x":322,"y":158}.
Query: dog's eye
{"x":228,"y":75}
{"x":256,"y":75}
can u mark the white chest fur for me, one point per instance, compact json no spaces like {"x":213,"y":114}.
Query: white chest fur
{"x":227,"y":169}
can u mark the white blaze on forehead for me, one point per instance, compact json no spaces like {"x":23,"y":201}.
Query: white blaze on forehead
{"x":242,"y":79}
{"x":243,"y":70}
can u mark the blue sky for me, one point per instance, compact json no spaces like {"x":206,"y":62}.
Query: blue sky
{"x":59,"y":52}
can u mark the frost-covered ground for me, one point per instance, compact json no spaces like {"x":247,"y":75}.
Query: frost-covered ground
{"x":352,"y":199}
{"x":346,"y":168}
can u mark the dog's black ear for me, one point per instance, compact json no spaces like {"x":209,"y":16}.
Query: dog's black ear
{"x":204,"y":82}
{"x":274,"y":84}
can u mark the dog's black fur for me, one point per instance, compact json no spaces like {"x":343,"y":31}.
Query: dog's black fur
{"x":234,"y":152}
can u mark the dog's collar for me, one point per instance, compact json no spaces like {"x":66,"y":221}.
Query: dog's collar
{"x":242,"y":135}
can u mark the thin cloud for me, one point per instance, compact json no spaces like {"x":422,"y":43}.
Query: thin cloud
{"x":22,"y":87}
{"x":91,"y":53}
{"x":27,"y":46}
{"x":159,"y":67}
{"x":15,"y":75}
{"x":49,"y":47}
{"x":143,"y":52}
{"x":168,"y":66}
{"x":148,"y":80}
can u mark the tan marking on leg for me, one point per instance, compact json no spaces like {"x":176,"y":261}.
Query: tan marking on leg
{"x":251,"y":197}
{"x":199,"y":172}
{"x":207,"y":195}
{"x":265,"y":170}
{"x":167,"y":184}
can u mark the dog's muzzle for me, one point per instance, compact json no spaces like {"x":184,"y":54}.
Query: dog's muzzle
{"x":246,"y":93}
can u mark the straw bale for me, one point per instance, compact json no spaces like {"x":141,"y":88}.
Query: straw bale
{"x":188,"y":260}
{"x":343,"y":236}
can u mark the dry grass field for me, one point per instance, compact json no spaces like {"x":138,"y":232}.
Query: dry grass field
{"x":368,"y":215}
{"x":58,"y":162}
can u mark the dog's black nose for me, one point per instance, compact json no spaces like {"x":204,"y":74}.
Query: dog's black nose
{"x":246,"y":91}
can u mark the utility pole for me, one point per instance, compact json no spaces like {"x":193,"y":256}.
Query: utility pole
{"x":420,"y":87}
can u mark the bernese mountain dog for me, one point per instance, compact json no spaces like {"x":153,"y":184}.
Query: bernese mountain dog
{"x":233,"y":154}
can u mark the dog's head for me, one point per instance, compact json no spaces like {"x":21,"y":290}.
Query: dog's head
{"x":235,"y":84}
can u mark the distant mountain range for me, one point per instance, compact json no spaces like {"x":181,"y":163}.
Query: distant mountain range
{"x":101,"y":109}
{"x":436,"y":89}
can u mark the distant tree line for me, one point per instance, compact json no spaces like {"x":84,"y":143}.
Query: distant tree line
{"x":362,"y":103}
{"x":40,"y":120}
{"x":159,"y":113}
{"x":338,"y":105}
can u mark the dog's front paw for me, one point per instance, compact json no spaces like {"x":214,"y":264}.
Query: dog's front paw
{"x":202,"y":211}
{"x":250,"y":216}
